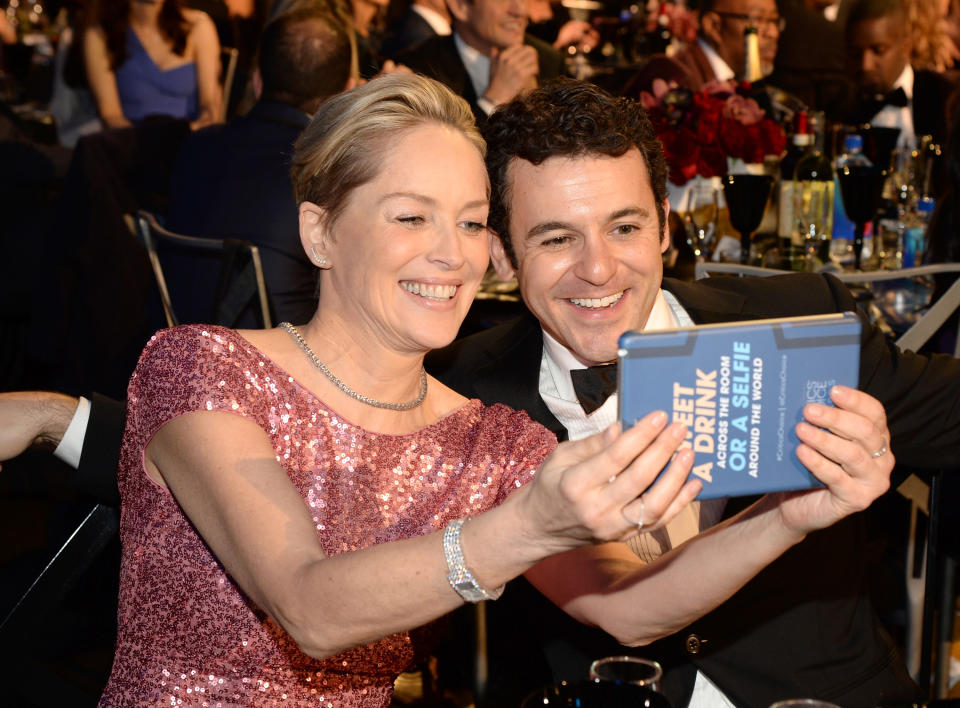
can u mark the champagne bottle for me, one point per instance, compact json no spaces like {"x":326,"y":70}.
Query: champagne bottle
{"x":751,"y":68}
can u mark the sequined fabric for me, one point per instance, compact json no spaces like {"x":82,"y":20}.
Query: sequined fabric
{"x":187,"y":634}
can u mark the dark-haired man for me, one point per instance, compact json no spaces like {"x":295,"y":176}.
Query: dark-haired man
{"x":489,"y":58}
{"x":578,"y":202}
{"x":891,"y":92}
{"x":232,"y":181}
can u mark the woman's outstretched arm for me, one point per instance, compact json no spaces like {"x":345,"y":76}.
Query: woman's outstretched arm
{"x":224,"y":474}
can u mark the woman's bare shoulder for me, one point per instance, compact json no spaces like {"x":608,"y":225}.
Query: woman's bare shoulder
{"x":197,"y":22}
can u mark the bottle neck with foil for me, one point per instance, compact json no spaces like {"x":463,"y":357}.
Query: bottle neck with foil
{"x":751,"y":68}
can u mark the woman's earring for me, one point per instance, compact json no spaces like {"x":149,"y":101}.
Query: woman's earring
{"x":321,"y":261}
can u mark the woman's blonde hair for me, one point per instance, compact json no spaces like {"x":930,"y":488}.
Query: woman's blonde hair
{"x":342,"y":147}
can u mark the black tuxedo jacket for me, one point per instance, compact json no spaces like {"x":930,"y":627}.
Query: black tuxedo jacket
{"x":439,"y":59}
{"x":805,"y":625}
{"x":408,"y":31}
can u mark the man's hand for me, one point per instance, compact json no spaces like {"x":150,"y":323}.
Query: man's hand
{"x":33,"y":418}
{"x":847,"y":448}
{"x":512,"y":70}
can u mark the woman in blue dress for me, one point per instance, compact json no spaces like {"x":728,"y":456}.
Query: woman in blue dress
{"x":150,"y":57}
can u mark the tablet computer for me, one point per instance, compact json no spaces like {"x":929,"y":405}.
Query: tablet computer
{"x":740,"y":388}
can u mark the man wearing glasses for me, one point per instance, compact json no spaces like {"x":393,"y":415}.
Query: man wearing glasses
{"x":718,"y":53}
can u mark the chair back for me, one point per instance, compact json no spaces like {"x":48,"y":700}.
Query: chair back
{"x":705,"y":270}
{"x":240,"y":279}
{"x":936,"y":315}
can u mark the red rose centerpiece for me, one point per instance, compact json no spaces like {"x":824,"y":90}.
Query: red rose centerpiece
{"x":703,"y":131}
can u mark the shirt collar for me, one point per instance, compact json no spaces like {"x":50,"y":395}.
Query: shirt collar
{"x":719,"y":66}
{"x":476,"y":64}
{"x":905,"y":81}
{"x":438,"y":23}
{"x":666,"y":313}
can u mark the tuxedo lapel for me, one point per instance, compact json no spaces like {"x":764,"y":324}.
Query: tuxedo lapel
{"x":512,"y":374}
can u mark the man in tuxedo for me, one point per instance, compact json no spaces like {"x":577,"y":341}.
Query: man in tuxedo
{"x":578,"y":193}
{"x":489,"y":58}
{"x":891,"y":93}
{"x":568,"y":207}
{"x":233,"y":180}
{"x":719,"y":52}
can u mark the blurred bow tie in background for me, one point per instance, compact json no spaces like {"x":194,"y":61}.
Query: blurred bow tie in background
{"x":594,"y":385}
{"x":869,"y":106}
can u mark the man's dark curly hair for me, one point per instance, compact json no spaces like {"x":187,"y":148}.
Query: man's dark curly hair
{"x":566,"y":118}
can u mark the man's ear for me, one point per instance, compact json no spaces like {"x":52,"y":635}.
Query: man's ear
{"x":498,"y":257}
{"x":313,"y":233}
{"x":459,"y":9}
{"x":710,"y":28}
{"x":665,"y":236}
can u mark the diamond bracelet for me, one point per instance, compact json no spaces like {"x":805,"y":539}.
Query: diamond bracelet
{"x":459,"y":577}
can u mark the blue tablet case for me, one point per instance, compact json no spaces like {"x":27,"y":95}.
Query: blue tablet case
{"x":740,"y":388}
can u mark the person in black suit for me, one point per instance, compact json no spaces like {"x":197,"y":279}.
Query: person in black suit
{"x":565,"y":207}
{"x":891,"y":93}
{"x":233,"y":180}
{"x":488,"y":59}
{"x":420,"y":21}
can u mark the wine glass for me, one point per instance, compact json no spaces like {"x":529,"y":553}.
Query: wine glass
{"x":630,"y":670}
{"x":746,"y":197}
{"x":861,"y":187}
{"x":879,"y":144}
{"x":701,"y":217}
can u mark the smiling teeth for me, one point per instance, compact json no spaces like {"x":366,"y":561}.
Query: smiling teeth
{"x":431,"y":292}
{"x":595,"y":302}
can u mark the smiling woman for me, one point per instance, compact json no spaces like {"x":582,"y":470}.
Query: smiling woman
{"x":298,"y":501}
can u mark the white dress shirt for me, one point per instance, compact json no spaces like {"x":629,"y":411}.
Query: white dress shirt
{"x":478,"y":69}
{"x":71,"y":444}
{"x":900,"y":117}
{"x":556,"y":390}
{"x":719,"y":66}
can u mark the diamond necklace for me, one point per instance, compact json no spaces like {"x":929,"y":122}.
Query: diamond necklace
{"x":295,"y":333}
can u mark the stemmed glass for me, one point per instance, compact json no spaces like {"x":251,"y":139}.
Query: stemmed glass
{"x":746,"y":197}
{"x":701,"y":217}
{"x":631,"y":670}
{"x":861,"y":187}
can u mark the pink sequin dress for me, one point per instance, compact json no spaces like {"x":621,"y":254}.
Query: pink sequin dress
{"x":187,"y":634}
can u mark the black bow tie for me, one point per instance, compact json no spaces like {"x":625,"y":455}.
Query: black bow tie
{"x":871,"y":105}
{"x":594,"y":385}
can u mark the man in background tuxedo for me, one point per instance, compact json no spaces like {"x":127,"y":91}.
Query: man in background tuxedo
{"x":233,"y":180}
{"x":719,"y":52}
{"x":564,"y":207}
{"x":891,"y":93}
{"x":489,"y":58}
